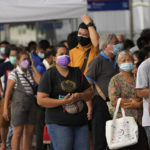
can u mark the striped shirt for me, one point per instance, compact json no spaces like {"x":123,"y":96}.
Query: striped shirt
{"x":28,"y":89}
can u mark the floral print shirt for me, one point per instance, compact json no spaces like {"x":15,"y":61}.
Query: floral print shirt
{"x":120,"y":87}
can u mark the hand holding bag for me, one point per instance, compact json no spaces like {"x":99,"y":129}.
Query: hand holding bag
{"x":121,"y":132}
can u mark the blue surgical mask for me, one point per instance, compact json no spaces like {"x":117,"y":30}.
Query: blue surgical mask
{"x":127,"y":67}
{"x":41,"y":55}
{"x":2,"y":50}
{"x":117,"y":48}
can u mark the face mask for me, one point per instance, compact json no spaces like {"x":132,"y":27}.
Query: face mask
{"x":83,"y":40}
{"x":127,"y":67}
{"x":117,"y":48}
{"x":63,"y":61}
{"x":24,"y":64}
{"x":135,"y":62}
{"x":12,"y":59}
{"x":41,"y":55}
{"x":2,"y":50}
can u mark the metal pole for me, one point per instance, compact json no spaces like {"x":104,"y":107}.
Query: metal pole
{"x":131,"y":19}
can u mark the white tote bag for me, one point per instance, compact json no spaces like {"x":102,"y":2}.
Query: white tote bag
{"x":121,"y":132}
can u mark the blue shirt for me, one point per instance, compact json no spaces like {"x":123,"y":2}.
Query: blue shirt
{"x":113,"y":63}
{"x":36,"y":59}
{"x":41,"y":68}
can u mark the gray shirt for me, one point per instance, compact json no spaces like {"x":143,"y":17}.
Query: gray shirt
{"x":101,"y":70}
{"x":142,"y":82}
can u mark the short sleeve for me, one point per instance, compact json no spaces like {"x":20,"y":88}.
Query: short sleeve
{"x":94,"y":68}
{"x":142,"y":80}
{"x":85,"y":83}
{"x":12,"y":76}
{"x":45,"y":83}
{"x":113,"y":89}
{"x":40,"y":69}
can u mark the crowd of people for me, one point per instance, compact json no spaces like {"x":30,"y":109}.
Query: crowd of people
{"x":72,"y":89}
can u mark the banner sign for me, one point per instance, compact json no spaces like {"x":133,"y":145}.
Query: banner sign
{"x":108,"y":5}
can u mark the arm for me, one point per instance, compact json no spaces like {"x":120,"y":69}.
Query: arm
{"x":44,"y":100}
{"x":37,"y":75}
{"x":87,"y":94}
{"x":1,"y":89}
{"x":10,"y":86}
{"x":90,"y":109}
{"x":92,"y":31}
{"x":143,"y":92}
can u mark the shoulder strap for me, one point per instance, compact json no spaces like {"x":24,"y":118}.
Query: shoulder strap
{"x":85,"y":60}
{"x":29,"y":81}
{"x":100,"y":91}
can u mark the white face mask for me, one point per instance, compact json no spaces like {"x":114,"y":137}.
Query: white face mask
{"x":135,"y":62}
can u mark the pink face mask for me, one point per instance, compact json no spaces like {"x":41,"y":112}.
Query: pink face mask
{"x":63,"y":60}
{"x":24,"y":64}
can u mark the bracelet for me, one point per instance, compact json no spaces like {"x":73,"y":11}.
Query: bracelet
{"x":90,"y":24}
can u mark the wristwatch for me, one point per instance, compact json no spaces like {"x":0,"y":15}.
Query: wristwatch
{"x":90,"y":24}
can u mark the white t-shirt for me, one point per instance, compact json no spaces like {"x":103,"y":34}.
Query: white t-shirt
{"x":25,"y":84}
{"x":143,"y":81}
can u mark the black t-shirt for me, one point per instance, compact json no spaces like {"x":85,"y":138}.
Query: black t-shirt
{"x":5,"y":69}
{"x":54,"y":84}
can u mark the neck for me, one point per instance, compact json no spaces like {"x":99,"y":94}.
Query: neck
{"x":127,"y":74}
{"x":24,"y":70}
{"x":86,"y":47}
{"x":109,"y":55}
{"x":61,"y":69}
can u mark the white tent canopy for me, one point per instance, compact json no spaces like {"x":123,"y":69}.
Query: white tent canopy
{"x":40,"y":10}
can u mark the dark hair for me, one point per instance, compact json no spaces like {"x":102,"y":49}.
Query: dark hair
{"x":48,"y":54}
{"x":31,"y":46}
{"x":144,"y":38}
{"x":57,"y":47}
{"x":72,"y":39}
{"x":4,"y":42}
{"x":143,"y":54}
{"x":84,"y":26}
{"x":128,"y":44}
{"x":43,"y":44}
{"x":136,"y":53}
{"x":62,"y":42}
{"x":22,"y":53}
{"x":10,"y":48}
{"x":145,"y":32}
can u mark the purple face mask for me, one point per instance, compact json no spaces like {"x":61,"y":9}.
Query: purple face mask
{"x":63,"y":60}
{"x":24,"y":64}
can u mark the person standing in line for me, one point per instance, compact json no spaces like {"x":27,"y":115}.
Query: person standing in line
{"x":100,"y":70}
{"x":143,"y":88}
{"x":38,"y":54}
{"x":5,"y":68}
{"x":63,"y":91}
{"x":20,"y":88}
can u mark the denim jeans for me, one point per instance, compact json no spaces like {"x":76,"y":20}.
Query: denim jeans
{"x":147,"y":130}
{"x":69,"y":138}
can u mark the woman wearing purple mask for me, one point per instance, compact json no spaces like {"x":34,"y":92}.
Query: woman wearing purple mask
{"x":20,"y":88}
{"x":63,"y":91}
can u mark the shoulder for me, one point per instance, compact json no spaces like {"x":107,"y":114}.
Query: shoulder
{"x":97,"y":60}
{"x":75,"y":49}
{"x":40,"y":67}
{"x":116,"y":77}
{"x":74,"y":69}
{"x":145,"y":65}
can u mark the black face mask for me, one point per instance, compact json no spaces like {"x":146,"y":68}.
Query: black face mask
{"x":84,"y":41}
